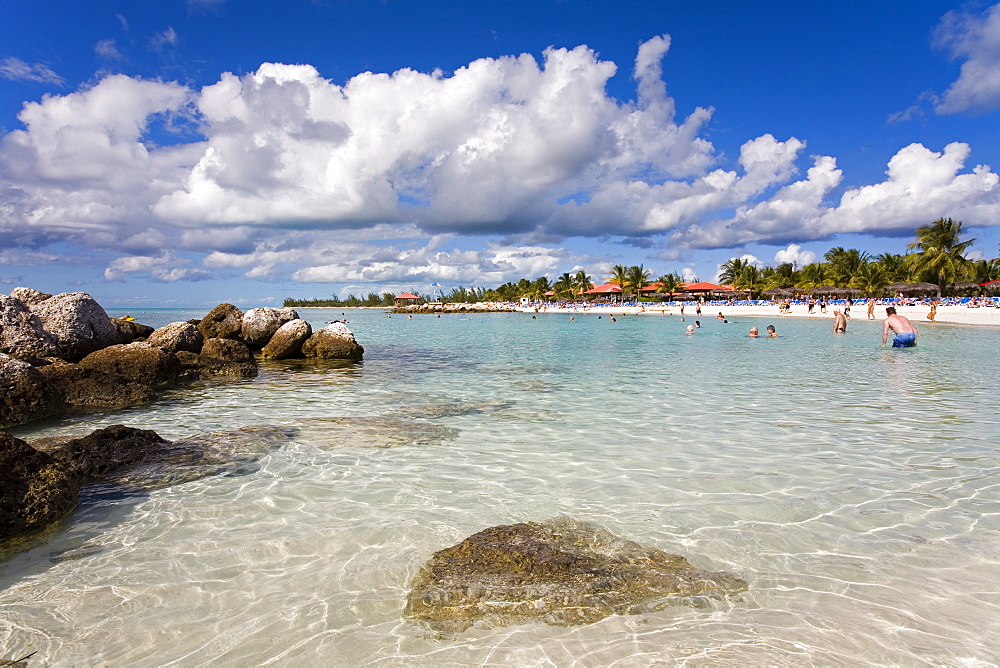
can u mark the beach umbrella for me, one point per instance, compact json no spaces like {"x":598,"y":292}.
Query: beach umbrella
{"x":963,"y":286}
{"x":826,"y":290}
{"x":913,"y":288}
{"x":779,"y":292}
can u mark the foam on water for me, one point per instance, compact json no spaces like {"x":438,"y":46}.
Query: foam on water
{"x":856,"y":490}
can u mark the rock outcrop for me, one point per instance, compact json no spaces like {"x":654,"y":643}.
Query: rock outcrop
{"x":288,"y":340}
{"x":260,"y":324}
{"x":82,"y":387}
{"x":333,"y":342}
{"x":227,"y":349}
{"x":225,"y":321}
{"x":30,"y":296}
{"x":195,"y":366}
{"x":177,"y":336}
{"x":25,"y":394}
{"x":140,"y":362}
{"x":35,"y":490}
{"x":78,"y":322}
{"x":130,"y":330}
{"x":560,"y":572}
{"x":21,"y":332}
{"x":109,"y":451}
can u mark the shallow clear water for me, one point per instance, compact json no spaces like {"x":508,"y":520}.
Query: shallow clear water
{"x":856,"y":489}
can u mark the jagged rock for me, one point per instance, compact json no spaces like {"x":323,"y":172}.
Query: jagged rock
{"x":260,"y":324}
{"x":35,"y":490}
{"x":177,"y":336}
{"x":195,"y":366}
{"x":25,"y":394}
{"x":78,"y":322}
{"x":140,"y":362}
{"x":30,"y":296}
{"x":21,"y":332}
{"x":130,"y":330}
{"x":227,"y":349}
{"x":288,"y":340}
{"x":88,"y":387}
{"x":335,"y":341}
{"x":287,"y":313}
{"x":560,"y":572}
{"x":225,"y":321}
{"x":109,"y":451}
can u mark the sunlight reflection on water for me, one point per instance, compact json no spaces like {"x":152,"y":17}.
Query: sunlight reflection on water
{"x":854,"y":488}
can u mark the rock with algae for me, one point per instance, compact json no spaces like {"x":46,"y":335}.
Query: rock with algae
{"x":561,"y":572}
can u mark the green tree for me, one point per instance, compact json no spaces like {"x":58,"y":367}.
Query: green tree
{"x":618,"y":276}
{"x":582,"y":282}
{"x":564,"y":286}
{"x":812,"y":276}
{"x":636,"y":278}
{"x":669,"y":284}
{"x":844,"y":264}
{"x":871,"y":279}
{"x":731,"y":270}
{"x":940,"y":256}
{"x":894,"y":266}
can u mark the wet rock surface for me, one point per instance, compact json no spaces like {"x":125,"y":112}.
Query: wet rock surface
{"x":194,"y":367}
{"x":335,"y":341}
{"x":25,"y":394}
{"x":139,"y":362}
{"x":81,"y":387}
{"x":227,"y":349}
{"x":560,"y":572}
{"x":130,"y":330}
{"x":35,"y":490}
{"x":225,"y":321}
{"x":109,"y":451}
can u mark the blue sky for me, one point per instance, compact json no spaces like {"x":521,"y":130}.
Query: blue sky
{"x":186,"y":153}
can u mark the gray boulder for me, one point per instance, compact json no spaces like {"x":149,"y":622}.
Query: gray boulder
{"x":260,"y":324}
{"x":195,"y":366}
{"x":335,"y":341}
{"x":25,"y":394}
{"x":177,"y":336}
{"x":560,"y":572}
{"x":21,"y":332}
{"x":35,"y":490}
{"x":78,"y":322}
{"x":227,"y":349}
{"x":288,"y":340}
{"x":130,"y":330}
{"x":225,"y":321}
{"x":29,"y":296}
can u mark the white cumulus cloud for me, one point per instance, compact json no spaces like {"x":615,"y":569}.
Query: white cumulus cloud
{"x":975,"y":39}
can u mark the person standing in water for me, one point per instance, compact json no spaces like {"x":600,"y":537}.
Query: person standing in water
{"x":906,"y":333}
{"x":839,"y":322}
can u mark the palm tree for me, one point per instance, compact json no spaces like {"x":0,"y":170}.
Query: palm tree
{"x":844,"y":264}
{"x":871,"y":279}
{"x":732,"y":269}
{"x":894,"y":266}
{"x":984,"y":271}
{"x":782,"y":276}
{"x":636,"y":278}
{"x":618,"y":276}
{"x":669,"y":283}
{"x":564,"y":286}
{"x":749,"y":279}
{"x":539,"y":287}
{"x":940,"y":256}
{"x":582,"y":282}
{"x":813,"y":275}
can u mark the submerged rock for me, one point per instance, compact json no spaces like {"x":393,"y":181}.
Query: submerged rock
{"x":108,"y":451}
{"x":561,"y":572}
{"x":225,"y":321}
{"x":78,"y":322}
{"x":35,"y":490}
{"x":25,"y":394}
{"x":374,"y":432}
{"x":333,"y":342}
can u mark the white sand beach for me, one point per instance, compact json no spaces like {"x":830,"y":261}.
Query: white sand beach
{"x":956,"y":314}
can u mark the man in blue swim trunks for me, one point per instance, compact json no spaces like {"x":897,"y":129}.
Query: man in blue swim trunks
{"x":906,"y":334}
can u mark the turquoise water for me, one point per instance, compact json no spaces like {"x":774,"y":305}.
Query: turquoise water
{"x":856,"y":489}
